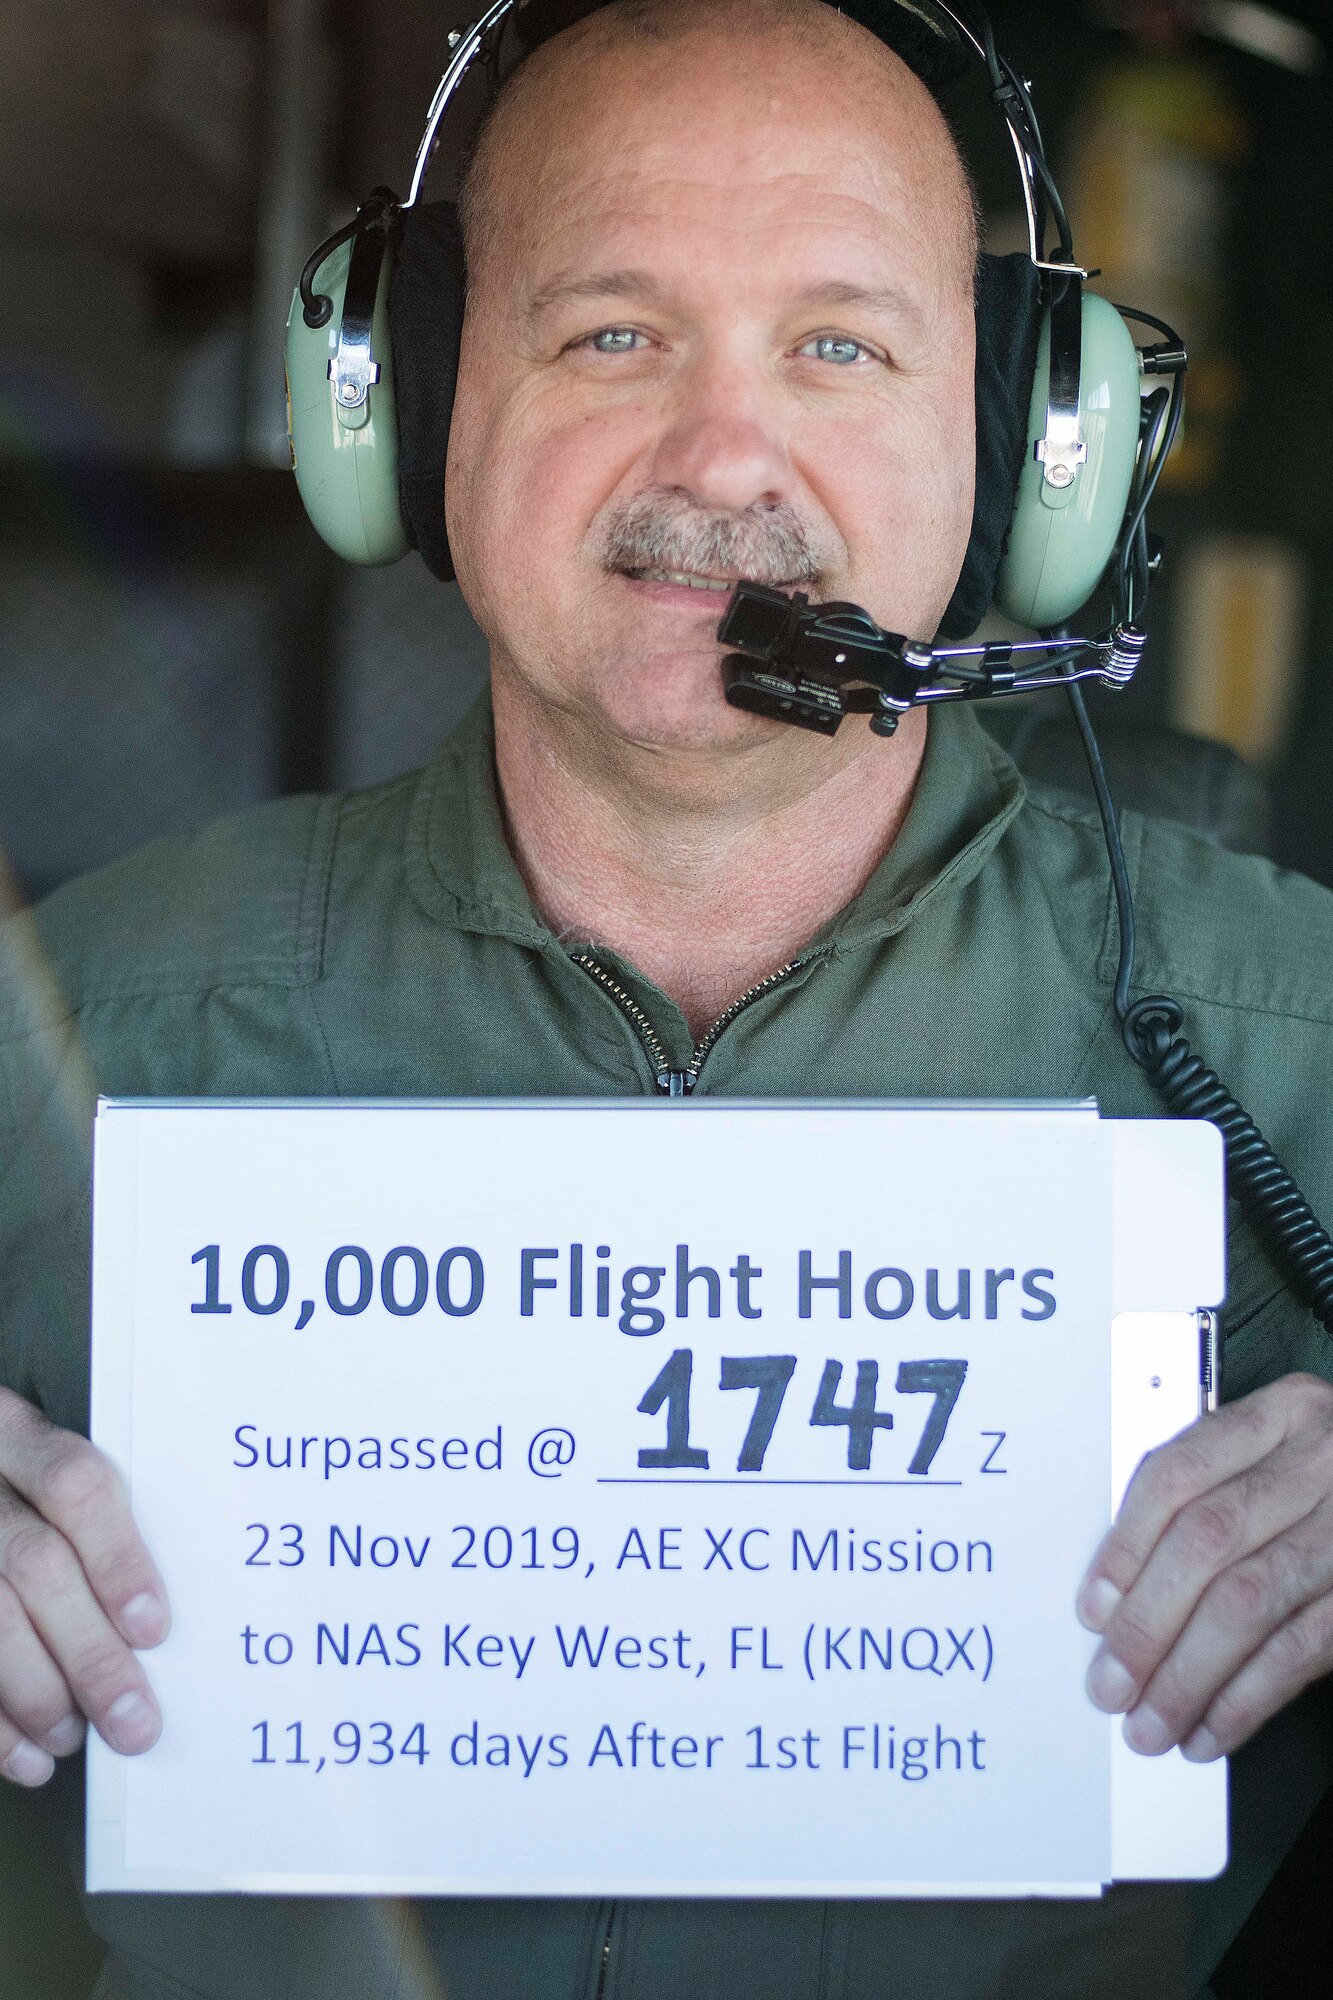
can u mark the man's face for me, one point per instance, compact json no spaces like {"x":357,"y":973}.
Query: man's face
{"x":721,"y":328}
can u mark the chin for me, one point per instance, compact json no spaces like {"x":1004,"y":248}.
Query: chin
{"x":674,"y":702}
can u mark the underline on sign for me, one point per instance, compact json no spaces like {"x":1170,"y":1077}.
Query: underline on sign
{"x":709,"y":1481}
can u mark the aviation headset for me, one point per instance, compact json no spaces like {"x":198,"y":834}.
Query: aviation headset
{"x":1069,"y":451}
{"x":375,"y":325}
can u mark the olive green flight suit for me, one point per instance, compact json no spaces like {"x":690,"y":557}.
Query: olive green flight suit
{"x":383,"y":944}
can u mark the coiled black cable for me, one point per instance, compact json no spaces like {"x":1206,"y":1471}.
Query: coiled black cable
{"x":1283,"y":1219}
{"x":1301,"y":1245}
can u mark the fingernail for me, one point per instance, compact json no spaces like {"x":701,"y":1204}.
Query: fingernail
{"x":1110,"y":1685}
{"x":144,"y":1619}
{"x":27,"y":1765}
{"x":1146,"y":1732}
{"x":132,"y":1724}
{"x":1201,"y":1748}
{"x":1096,"y":1601}
{"x":65,"y":1737}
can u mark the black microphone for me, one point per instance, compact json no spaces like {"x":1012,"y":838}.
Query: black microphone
{"x":813,"y":664}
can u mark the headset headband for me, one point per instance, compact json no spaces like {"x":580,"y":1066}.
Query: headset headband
{"x":953,"y":32}
{"x":1058,"y":375}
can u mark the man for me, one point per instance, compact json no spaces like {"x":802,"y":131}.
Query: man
{"x":719,"y":323}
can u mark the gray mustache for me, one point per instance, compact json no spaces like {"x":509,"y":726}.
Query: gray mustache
{"x":669,"y":531}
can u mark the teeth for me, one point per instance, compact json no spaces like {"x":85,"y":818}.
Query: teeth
{"x":684,"y":576}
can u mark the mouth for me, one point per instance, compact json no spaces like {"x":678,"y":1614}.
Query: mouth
{"x":683,"y":579}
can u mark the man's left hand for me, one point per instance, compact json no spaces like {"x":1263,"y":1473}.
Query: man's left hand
{"x":1213,"y":1592}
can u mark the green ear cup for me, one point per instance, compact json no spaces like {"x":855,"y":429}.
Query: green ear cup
{"x":1061,"y":541}
{"x":345,"y":461}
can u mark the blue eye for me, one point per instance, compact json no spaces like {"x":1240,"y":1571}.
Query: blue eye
{"x":835,"y":348}
{"x":614,"y":340}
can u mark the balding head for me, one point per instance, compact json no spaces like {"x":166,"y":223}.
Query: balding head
{"x":763,"y":50}
{"x":719,"y":323}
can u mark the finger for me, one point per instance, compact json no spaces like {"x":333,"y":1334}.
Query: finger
{"x":1235,"y":1618}
{"x":1218,"y":1447}
{"x":22,"y":1762}
{"x":1296,"y":1654}
{"x":33,"y":1691}
{"x":1211,"y":1538}
{"x":77,"y":1489}
{"x":103,"y":1674}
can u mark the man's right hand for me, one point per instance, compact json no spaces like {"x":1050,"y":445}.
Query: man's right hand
{"x":78,"y":1593}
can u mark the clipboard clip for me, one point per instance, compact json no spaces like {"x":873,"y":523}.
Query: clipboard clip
{"x":1210,"y":1359}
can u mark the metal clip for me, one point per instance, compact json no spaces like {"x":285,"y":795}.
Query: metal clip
{"x":1062,"y":450}
{"x":353,"y":373}
{"x":1210,"y":1360}
{"x":352,"y":367}
{"x":1122,"y":658}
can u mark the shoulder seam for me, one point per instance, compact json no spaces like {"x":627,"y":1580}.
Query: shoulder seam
{"x":312,"y":1002}
{"x":1237,"y":1323}
{"x":1134,"y":826}
{"x":1267,"y":1009}
{"x":1069,"y":812}
{"x":1085,"y":818}
{"x":312,"y":914}
{"x":291,"y":958}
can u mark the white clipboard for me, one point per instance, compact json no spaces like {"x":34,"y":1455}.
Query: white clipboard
{"x":1169,"y":1818}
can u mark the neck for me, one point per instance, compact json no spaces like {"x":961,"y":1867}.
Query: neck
{"x":708,"y":870}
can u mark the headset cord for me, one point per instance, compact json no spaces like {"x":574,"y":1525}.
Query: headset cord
{"x":1284,"y":1220}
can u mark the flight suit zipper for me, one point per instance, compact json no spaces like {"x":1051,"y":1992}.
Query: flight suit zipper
{"x":672,"y":1083}
{"x":605,"y":1966}
{"x":681,"y":1082}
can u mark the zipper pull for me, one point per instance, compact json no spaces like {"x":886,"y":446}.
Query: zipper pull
{"x":675,"y":1082}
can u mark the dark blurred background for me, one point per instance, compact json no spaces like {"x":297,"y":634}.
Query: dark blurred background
{"x":175,"y":642}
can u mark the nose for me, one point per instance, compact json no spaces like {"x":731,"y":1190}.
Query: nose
{"x":725,"y":442}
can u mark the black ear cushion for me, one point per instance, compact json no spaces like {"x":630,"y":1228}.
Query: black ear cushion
{"x":426,"y":298}
{"x":1009,"y":311}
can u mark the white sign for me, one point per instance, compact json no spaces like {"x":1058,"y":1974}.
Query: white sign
{"x":609,"y":1499}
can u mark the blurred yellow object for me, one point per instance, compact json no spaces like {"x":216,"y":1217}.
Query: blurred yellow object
{"x":1155,"y":144}
{"x":1240,"y":629}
